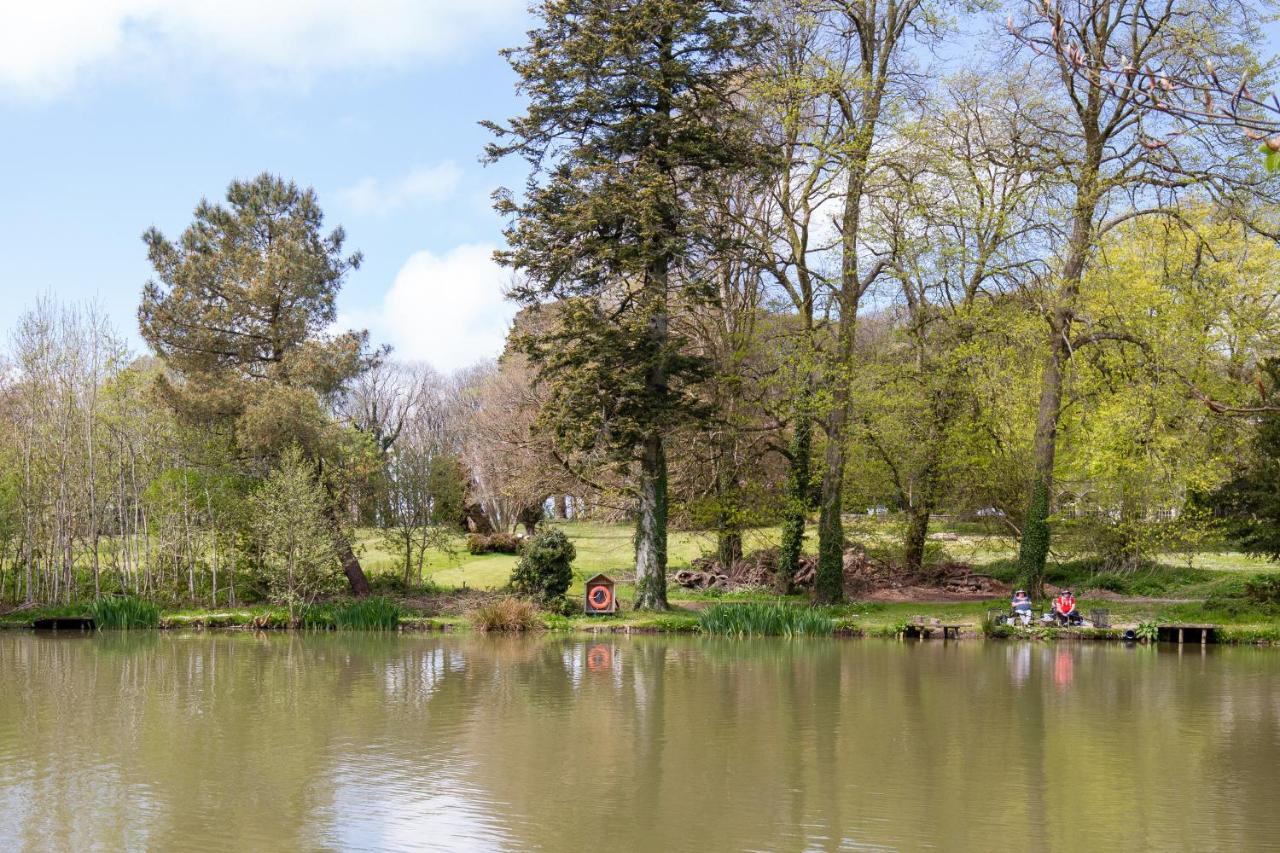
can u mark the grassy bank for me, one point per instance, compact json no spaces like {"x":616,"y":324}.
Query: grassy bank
{"x":1206,"y":588}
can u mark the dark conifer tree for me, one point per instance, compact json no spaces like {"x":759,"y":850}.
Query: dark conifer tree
{"x":634,"y":114}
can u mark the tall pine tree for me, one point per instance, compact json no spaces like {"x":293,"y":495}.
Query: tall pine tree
{"x":240,"y":313}
{"x":634,"y":114}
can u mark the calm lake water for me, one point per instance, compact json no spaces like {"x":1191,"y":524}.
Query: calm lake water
{"x":282,"y":742}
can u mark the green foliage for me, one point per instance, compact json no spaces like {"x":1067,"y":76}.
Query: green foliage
{"x":673,"y":623}
{"x":1147,"y":632}
{"x":208,"y":314}
{"x":1263,"y":589}
{"x":367,"y":614}
{"x":1271,"y":158}
{"x":493,"y":543}
{"x":287,"y":517}
{"x":557,"y":622}
{"x":363,"y":614}
{"x":506,"y":614}
{"x":545,"y":571}
{"x":124,"y":613}
{"x":775,"y":619}
{"x":1250,"y":501}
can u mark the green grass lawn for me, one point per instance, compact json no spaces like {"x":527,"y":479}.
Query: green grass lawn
{"x":604,"y":548}
{"x":608,"y":548}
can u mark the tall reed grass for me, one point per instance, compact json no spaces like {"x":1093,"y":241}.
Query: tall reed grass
{"x":772,"y":619}
{"x":362,"y":614}
{"x":506,"y":614}
{"x":124,"y":613}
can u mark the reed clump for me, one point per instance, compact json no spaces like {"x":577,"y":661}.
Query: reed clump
{"x":506,"y":614}
{"x":771,"y":619}
{"x":124,"y":613}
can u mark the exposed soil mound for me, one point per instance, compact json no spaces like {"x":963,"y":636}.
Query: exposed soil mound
{"x":865,"y":577}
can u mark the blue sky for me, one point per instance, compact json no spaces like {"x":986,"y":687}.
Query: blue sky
{"x":116,"y":115}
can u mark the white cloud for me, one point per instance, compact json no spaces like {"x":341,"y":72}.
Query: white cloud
{"x":429,"y":183}
{"x":45,"y":47}
{"x":447,"y":311}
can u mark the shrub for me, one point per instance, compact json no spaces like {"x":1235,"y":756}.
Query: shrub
{"x":995,"y":628}
{"x":546,"y":569}
{"x":493,"y":543}
{"x":777,"y":619}
{"x":1263,"y":589}
{"x":506,"y":614}
{"x":125,"y":612}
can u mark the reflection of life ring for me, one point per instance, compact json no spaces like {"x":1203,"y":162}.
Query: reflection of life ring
{"x":600,"y":597}
{"x":599,"y":657}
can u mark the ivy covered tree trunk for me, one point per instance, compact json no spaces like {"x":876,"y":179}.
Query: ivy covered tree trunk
{"x":828,"y":583}
{"x":651,"y":527}
{"x":1033,"y":550}
{"x":917,"y":535}
{"x":925,"y":498}
{"x":797,"y":500}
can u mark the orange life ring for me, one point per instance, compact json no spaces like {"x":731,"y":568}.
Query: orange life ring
{"x":600,"y":597}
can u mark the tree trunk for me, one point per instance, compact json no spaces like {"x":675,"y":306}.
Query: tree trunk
{"x":797,"y":498}
{"x":729,"y":546}
{"x":651,"y":527}
{"x":1033,"y":550}
{"x":728,"y":517}
{"x":828,"y":583}
{"x":350,"y":562}
{"x":351,"y":567}
{"x":917,"y":535}
{"x":561,"y":508}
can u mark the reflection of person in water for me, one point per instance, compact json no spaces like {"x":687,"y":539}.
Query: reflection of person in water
{"x":1020,"y":663}
{"x":1063,"y":668}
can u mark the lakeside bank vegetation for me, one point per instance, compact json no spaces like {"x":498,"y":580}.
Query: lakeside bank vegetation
{"x":778,"y":264}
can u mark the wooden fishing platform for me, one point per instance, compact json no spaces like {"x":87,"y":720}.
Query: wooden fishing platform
{"x":1179,"y":631}
{"x":64,"y":623}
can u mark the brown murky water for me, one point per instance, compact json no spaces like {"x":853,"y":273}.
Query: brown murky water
{"x":289,"y":742}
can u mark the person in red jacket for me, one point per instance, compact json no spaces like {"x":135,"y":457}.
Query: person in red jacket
{"x":1064,"y":608}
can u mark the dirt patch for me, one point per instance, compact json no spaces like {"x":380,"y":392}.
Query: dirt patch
{"x":865,"y":577}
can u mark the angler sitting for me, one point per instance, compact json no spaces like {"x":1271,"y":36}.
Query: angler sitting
{"x":1064,"y":609}
{"x":1021,"y":607}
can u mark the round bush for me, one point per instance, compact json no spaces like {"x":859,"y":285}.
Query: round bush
{"x":546,"y":569}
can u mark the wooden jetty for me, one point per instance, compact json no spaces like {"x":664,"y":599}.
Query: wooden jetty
{"x":1179,"y":632}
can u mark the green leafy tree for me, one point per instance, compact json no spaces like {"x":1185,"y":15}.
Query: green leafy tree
{"x":1250,"y":500}
{"x":240,"y":312}
{"x":293,"y":536}
{"x":633,"y":118}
